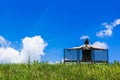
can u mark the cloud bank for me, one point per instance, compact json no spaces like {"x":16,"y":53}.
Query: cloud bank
{"x":84,"y":37}
{"x":108,"y":28}
{"x":100,"y":45}
{"x":31,"y":46}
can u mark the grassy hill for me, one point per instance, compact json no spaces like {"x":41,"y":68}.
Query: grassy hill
{"x":44,"y":71}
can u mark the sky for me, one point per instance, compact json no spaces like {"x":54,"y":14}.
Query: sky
{"x":45,"y":28}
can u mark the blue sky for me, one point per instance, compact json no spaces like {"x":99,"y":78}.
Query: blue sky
{"x":60,"y":23}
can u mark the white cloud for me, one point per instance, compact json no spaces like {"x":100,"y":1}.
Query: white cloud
{"x":84,"y":37}
{"x":50,"y":62}
{"x":32,"y":46}
{"x":3,"y":42}
{"x":9,"y":55}
{"x":98,"y":44}
{"x":56,"y":62}
{"x":116,"y":22}
{"x":108,"y":28}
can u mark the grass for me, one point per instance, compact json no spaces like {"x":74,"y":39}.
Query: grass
{"x":44,"y":71}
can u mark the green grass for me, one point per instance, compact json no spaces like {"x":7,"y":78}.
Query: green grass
{"x":44,"y":71}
